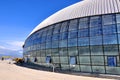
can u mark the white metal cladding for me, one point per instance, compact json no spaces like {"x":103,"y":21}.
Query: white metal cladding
{"x":82,"y":9}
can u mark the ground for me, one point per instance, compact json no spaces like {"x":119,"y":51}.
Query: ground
{"x":13,"y":72}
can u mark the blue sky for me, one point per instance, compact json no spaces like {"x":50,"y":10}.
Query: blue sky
{"x":19,"y":17}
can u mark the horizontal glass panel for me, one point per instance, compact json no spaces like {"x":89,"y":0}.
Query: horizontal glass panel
{"x":63,"y":51}
{"x":113,"y":70}
{"x":55,"y":59}
{"x":95,"y":21}
{"x":109,"y":29}
{"x":83,"y":33}
{"x":63,"y":43}
{"x":96,"y":50}
{"x":55,"y":37}
{"x":42,"y":52}
{"x":64,"y":27}
{"x":72,"y":51}
{"x":55,"y":52}
{"x":55,"y":44}
{"x":50,"y":30}
{"x":97,"y":40}
{"x":118,"y":28}
{"x":73,"y":25}
{"x":110,"y":39}
{"x":72,"y":42}
{"x":48,"y":45}
{"x":72,"y":34}
{"x":64,"y":35}
{"x":108,"y":19}
{"x":85,"y":68}
{"x":57,"y":28}
{"x":98,"y":69}
{"x":84,"y":59}
{"x":65,"y":66}
{"x":96,"y":31}
{"x":97,"y":60}
{"x":48,"y":52}
{"x":48,"y":38}
{"x":111,"y":50}
{"x":83,"y":24}
{"x":43,"y":46}
{"x":64,"y":59}
{"x":84,"y":50}
{"x":119,"y":38}
{"x":83,"y":41}
{"x":118,"y":18}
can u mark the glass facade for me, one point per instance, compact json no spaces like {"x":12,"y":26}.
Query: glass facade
{"x":89,"y":44}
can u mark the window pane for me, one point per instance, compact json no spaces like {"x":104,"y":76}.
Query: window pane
{"x":119,"y":38}
{"x":55,"y":59}
{"x":95,"y":21}
{"x":50,"y":30}
{"x":83,"y":23}
{"x":110,"y":39}
{"x":63,"y":51}
{"x":98,"y":69}
{"x":57,"y":28}
{"x":96,"y":50}
{"x":108,"y":19}
{"x":111,"y":50}
{"x":83,"y":33}
{"x":48,"y":52}
{"x":85,"y":68}
{"x":48,"y":45}
{"x":43,"y":46}
{"x":84,"y":50}
{"x":55,"y":37}
{"x":55,"y":52}
{"x":118,"y":28}
{"x":49,"y":38}
{"x":72,"y":34}
{"x":63,"y":43}
{"x":84,"y":59}
{"x":83,"y":41}
{"x":64,"y":35}
{"x":96,"y":31}
{"x":97,"y":60}
{"x":72,"y":51}
{"x":64,"y":59}
{"x":113,"y":70}
{"x":64,"y":27}
{"x":109,"y":29}
{"x":55,"y":44}
{"x":72,"y":42}
{"x":97,"y":40}
{"x":118,"y":18}
{"x":73,"y":25}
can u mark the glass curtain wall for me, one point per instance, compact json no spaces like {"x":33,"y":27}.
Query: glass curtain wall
{"x":88,"y":44}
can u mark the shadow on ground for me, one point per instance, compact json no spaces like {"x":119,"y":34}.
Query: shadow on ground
{"x":57,"y":70}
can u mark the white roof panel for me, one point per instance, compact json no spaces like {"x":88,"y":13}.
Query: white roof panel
{"x":81,"y":9}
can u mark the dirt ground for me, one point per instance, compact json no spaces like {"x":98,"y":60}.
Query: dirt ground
{"x":14,"y":72}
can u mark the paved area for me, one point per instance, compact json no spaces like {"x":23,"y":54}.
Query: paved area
{"x":14,"y":72}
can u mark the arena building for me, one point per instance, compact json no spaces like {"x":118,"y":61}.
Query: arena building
{"x":83,"y":37}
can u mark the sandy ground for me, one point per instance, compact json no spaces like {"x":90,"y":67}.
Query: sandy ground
{"x":13,"y":72}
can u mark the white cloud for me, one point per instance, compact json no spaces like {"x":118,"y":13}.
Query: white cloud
{"x":12,"y":45}
{"x":16,"y":43}
{"x":2,"y":47}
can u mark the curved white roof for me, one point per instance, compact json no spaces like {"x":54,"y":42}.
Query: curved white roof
{"x":82,"y":9}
